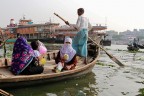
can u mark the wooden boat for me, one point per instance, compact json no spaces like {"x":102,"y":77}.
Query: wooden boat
{"x":140,"y":46}
{"x":106,"y":42}
{"x":132,"y":48}
{"x":7,"y":79}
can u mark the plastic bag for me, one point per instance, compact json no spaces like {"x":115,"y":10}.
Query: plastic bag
{"x":42,"y":49}
{"x":59,"y":66}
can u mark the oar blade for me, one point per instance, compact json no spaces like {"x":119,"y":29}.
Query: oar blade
{"x":111,"y":56}
{"x":114,"y":59}
{"x":117,"y":61}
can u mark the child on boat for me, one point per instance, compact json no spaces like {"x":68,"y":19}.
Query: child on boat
{"x":23,"y":60}
{"x":80,"y":40}
{"x":39,"y":51}
{"x":66,"y":57}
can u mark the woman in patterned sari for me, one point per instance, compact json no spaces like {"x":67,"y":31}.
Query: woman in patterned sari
{"x":23,"y":59}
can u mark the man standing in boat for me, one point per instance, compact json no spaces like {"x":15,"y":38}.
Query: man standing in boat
{"x":135,"y":42}
{"x":80,"y":40}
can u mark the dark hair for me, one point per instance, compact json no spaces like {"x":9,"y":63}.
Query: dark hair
{"x":17,"y":35}
{"x":81,"y":10}
{"x":34,"y":45}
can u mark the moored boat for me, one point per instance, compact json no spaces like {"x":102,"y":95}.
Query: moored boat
{"x":140,"y":46}
{"x":132,"y":48}
{"x":106,"y":42}
{"x":7,"y":79}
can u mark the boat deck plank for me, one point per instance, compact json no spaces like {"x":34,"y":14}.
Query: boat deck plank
{"x":6,"y":73}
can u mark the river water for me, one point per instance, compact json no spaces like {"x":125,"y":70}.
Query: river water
{"x":106,"y":78}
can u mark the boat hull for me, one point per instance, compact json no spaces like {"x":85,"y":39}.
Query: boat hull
{"x":106,"y":42}
{"x":131,"y":48}
{"x":45,"y":80}
{"x":140,"y":46}
{"x":27,"y":80}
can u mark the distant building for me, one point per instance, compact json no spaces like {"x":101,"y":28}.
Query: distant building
{"x":30,"y":30}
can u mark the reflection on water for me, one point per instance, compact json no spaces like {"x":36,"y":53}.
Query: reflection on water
{"x":82,"y":86}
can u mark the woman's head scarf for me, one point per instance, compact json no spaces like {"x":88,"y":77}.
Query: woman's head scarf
{"x":67,"y":49}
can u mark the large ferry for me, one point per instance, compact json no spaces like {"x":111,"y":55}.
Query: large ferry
{"x":49,"y":32}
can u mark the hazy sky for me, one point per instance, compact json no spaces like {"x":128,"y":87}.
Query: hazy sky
{"x":119,"y":15}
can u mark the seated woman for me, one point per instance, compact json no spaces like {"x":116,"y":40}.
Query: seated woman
{"x":66,"y":58}
{"x":23,"y":60}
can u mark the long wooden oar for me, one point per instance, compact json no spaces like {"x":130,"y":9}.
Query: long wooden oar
{"x":64,"y":20}
{"x":111,"y":56}
{"x":4,"y":93}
